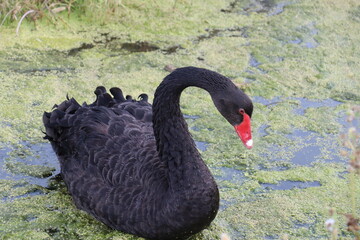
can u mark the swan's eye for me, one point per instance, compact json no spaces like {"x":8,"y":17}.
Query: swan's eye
{"x":241,"y":111}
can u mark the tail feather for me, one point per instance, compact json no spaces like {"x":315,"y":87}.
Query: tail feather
{"x":64,"y":114}
{"x":143,"y":97}
{"x":118,"y":95}
{"x":55,"y":120}
{"x":100,"y":90}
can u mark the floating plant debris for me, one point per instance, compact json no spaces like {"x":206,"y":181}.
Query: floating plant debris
{"x":288,"y":185}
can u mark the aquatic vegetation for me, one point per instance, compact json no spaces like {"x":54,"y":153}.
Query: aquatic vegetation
{"x":295,"y":58}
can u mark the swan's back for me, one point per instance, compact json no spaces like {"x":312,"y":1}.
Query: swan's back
{"x":108,"y":159}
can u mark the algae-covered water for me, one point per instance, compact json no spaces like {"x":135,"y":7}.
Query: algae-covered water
{"x":298,"y":60}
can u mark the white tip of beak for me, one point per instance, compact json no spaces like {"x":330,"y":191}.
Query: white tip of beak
{"x":249,"y":143}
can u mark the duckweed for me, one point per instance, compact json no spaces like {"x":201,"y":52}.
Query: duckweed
{"x":280,"y":54}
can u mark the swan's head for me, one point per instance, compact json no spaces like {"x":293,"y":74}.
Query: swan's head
{"x":236,"y":107}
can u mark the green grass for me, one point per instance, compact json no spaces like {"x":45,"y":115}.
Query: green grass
{"x":99,"y":11}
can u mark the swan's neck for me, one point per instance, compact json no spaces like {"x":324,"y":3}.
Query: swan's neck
{"x":175,"y":145}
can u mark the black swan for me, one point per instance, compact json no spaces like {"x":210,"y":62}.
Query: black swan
{"x":134,"y":166}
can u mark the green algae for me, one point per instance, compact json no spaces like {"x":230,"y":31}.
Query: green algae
{"x":12,"y":189}
{"x":50,"y":216}
{"x":299,"y":213}
{"x":38,"y":69}
{"x":38,"y":171}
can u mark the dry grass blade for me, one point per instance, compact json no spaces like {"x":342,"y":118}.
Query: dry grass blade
{"x":22,"y":18}
{"x":58,"y":9}
{"x":6,"y":17}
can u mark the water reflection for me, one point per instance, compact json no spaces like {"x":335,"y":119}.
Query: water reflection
{"x":15,"y":164}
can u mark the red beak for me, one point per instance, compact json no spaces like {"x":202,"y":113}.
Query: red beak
{"x":244,"y":131}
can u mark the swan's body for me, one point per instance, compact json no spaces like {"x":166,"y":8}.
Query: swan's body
{"x":135,"y":167}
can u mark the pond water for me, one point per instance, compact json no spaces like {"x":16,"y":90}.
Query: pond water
{"x":293,"y":58}
{"x":32,"y":165}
